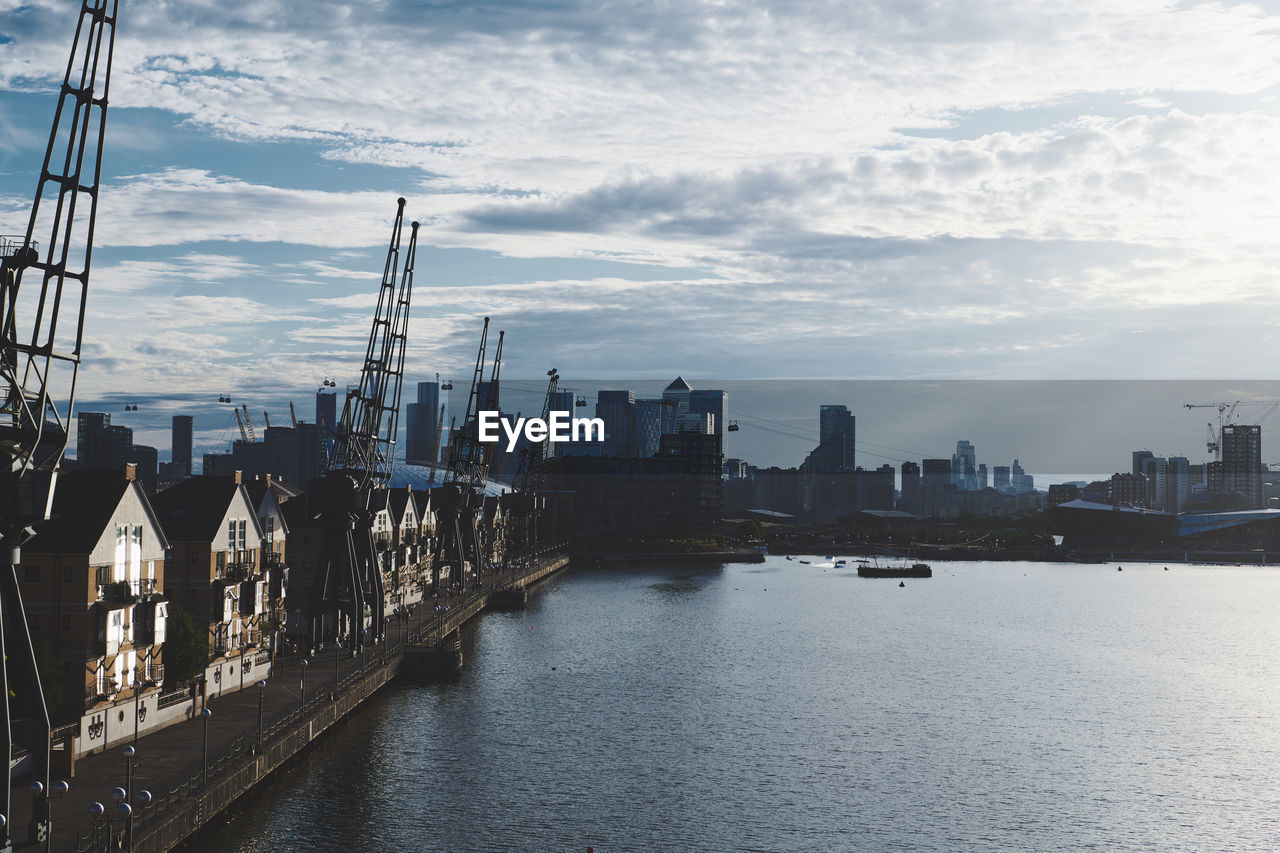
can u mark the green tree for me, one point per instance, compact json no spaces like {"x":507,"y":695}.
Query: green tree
{"x":751,"y":529}
{"x":186,"y":648}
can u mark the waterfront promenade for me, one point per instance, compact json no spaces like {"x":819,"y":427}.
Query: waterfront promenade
{"x":196,"y":768}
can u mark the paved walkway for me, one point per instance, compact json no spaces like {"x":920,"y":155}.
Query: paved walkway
{"x":166,"y":758}
{"x":172,"y":757}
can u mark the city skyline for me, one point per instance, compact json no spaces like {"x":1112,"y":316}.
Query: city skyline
{"x":1060,"y":430}
{"x":926,"y":192}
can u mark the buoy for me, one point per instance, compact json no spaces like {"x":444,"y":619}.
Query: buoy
{"x":553,"y":669}
{"x":1166,"y":568}
{"x":1119,"y":568}
{"x":902,"y":583}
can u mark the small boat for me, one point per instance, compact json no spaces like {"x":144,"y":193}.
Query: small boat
{"x":788,"y":556}
{"x":806,"y":562}
{"x":872,"y":569}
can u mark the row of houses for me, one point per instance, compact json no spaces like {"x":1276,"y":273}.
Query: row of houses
{"x":104,"y":580}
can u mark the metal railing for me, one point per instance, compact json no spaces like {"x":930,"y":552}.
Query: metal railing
{"x":244,"y":747}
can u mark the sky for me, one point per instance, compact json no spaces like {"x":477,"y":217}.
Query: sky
{"x":750,"y":190}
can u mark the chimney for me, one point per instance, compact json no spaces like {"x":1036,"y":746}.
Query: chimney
{"x":131,"y":470}
{"x":239,"y":476}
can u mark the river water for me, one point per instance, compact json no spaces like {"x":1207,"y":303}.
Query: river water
{"x":780,"y":707}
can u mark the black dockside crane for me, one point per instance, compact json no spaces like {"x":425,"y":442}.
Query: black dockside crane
{"x":42,"y":305}
{"x":350,"y":587}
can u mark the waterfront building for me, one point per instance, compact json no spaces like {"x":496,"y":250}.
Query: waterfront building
{"x":93,"y":583}
{"x":268,"y":496}
{"x":217,"y":574}
{"x":1139,"y":457}
{"x":409,"y":586}
{"x":778,"y":490}
{"x":678,"y":492}
{"x":1128,"y":490}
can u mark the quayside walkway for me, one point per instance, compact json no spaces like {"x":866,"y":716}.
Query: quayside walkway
{"x":195,"y":769}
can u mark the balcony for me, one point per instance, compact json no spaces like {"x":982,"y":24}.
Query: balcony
{"x":110,"y":687}
{"x":235,"y":565}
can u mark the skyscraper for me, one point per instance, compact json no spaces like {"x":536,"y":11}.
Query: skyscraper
{"x":421,"y":419}
{"x":964,"y":466}
{"x":618,"y":411}
{"x":837,"y":428}
{"x":910,"y":488}
{"x":648,"y":427}
{"x":183,"y":430}
{"x":327,"y":417}
{"x":1242,"y":464}
{"x":714,"y":403}
{"x":675,"y":402}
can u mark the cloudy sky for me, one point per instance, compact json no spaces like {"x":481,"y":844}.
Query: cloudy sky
{"x":733,"y":190}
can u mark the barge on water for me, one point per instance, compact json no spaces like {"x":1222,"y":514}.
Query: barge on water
{"x":872,"y":569}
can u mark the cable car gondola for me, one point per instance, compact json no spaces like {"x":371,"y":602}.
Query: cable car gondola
{"x":733,"y":426}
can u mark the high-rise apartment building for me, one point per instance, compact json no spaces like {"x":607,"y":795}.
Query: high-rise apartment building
{"x":421,"y":420}
{"x":1242,"y":464}
{"x":183,"y":431}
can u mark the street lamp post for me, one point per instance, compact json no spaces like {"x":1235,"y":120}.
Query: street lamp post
{"x":126,"y":811}
{"x":129,"y":764}
{"x":337,"y":650}
{"x":57,"y":791}
{"x":302,"y":680}
{"x":119,"y":795}
{"x":262,"y":686}
{"x":144,"y":797}
{"x":97,"y":810}
{"x":205,"y":714}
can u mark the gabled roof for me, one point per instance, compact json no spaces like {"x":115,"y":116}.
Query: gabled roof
{"x":398,"y":500}
{"x":258,"y":491}
{"x":83,"y":504}
{"x":679,"y":385}
{"x":192,"y":511}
